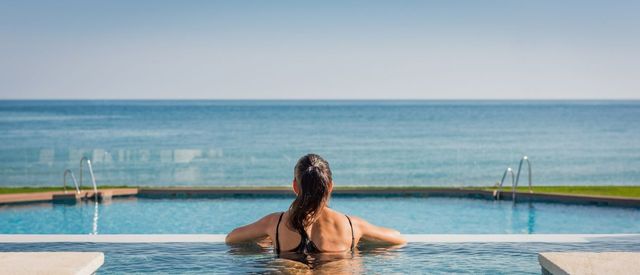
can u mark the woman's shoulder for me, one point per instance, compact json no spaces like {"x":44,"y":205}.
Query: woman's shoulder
{"x":336,"y":213}
{"x":270,"y":219}
{"x":353,"y":219}
{"x":276,"y":215}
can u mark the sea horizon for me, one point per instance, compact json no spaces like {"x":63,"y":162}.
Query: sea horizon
{"x":369,"y":142}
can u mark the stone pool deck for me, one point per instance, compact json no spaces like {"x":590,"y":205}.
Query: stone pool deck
{"x":50,"y":263}
{"x":564,"y":263}
{"x":283,"y":191}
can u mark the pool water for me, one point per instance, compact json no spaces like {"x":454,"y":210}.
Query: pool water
{"x":411,"y":215}
{"x":415,"y":258}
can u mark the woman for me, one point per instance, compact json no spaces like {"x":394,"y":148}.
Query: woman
{"x":309,"y":225}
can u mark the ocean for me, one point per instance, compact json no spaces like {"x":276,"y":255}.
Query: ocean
{"x":257,"y":143}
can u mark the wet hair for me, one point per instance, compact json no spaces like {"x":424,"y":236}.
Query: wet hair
{"x":313,"y":176}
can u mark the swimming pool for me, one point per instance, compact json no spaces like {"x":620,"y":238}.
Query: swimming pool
{"x":411,"y":215}
{"x":415,"y":258}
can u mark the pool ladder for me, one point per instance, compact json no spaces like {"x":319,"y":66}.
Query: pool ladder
{"x":514,"y":179}
{"x":76,"y":196}
{"x":68,"y":172}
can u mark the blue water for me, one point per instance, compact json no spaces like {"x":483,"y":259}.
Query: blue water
{"x":448,"y":143}
{"x":411,"y":215}
{"x":415,"y":258}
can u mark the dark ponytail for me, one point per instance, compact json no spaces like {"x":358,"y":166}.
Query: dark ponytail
{"x":313,"y":176}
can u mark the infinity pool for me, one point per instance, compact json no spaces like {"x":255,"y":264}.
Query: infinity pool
{"x":415,"y":258}
{"x":412,"y":215}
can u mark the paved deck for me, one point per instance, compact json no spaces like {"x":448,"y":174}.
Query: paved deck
{"x":50,"y":263}
{"x":48,"y":196}
{"x":561,"y":263}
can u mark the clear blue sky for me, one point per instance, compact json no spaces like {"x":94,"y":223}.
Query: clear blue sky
{"x":322,"y":50}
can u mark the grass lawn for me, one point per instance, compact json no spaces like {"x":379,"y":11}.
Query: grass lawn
{"x":614,"y":191}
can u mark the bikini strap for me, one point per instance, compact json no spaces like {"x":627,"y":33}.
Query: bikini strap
{"x":353,"y":239}
{"x":277,"y":237}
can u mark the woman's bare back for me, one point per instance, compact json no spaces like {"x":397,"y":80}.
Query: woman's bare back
{"x":331,"y":232}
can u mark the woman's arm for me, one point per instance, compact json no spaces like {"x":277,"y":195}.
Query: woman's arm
{"x":252,"y":232}
{"x":370,"y":232}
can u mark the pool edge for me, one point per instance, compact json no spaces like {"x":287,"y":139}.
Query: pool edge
{"x":177,"y":192}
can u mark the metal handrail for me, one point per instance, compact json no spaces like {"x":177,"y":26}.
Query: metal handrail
{"x":529,"y":174}
{"x":515,"y":180}
{"x":504,"y":176}
{"x":93,"y":178}
{"x":64,"y":181}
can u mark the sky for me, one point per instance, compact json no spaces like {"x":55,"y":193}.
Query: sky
{"x":319,"y":50}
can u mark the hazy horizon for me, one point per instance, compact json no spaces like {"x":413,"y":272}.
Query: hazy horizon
{"x":332,"y":50}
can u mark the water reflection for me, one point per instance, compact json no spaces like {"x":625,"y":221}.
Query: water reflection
{"x":531,"y":221}
{"x":120,"y":166}
{"x":242,"y":249}
{"x":47,"y":156}
{"x":94,"y":224}
{"x":179,"y":155}
{"x":521,"y":218}
{"x":318,"y":263}
{"x":293,"y":263}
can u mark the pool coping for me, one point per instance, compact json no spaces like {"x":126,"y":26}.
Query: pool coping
{"x":78,"y":263}
{"x":186,"y":192}
{"x":411,"y":238}
{"x":459,"y":192}
{"x":51,"y":195}
{"x":574,"y":262}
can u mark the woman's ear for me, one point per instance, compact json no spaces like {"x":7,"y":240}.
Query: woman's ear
{"x":295,"y":187}
{"x":331,"y":186}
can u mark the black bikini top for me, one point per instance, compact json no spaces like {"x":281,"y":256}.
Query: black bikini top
{"x":307,"y":246}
